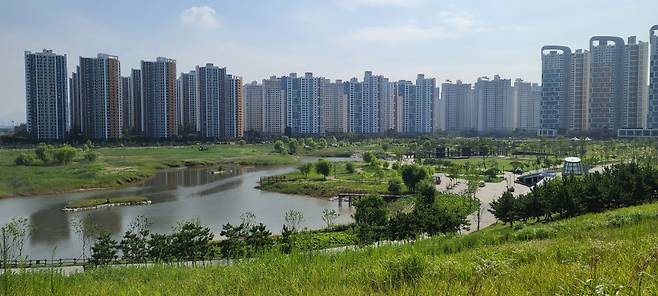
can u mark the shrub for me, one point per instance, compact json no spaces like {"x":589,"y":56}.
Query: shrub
{"x":64,"y":154}
{"x":368,"y":157}
{"x":621,"y":220}
{"x":25,"y":159}
{"x":44,"y":153}
{"x":395,"y":186}
{"x":323,"y":167}
{"x":91,"y":156}
{"x":349,"y":167}
{"x":399,"y":271}
{"x":530,"y":233}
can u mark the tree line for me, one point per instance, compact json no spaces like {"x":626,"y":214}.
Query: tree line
{"x":617,"y":186}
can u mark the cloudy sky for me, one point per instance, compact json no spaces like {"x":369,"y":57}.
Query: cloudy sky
{"x":446,"y":39}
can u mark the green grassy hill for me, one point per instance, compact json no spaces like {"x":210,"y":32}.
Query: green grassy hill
{"x":596,"y":254}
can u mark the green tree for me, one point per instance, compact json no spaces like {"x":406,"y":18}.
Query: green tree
{"x":349,"y":167}
{"x":395,"y":186}
{"x":306,"y":169}
{"x":294,"y":220}
{"x":329,"y":216}
{"x":235,"y":243}
{"x":44,"y":153}
{"x":279,"y":147}
{"x":259,"y":239}
{"x":292,"y":146}
{"x":323,"y":167}
{"x":134,"y":244}
{"x":370,"y":218}
{"x":368,"y":157}
{"x":191,"y":241}
{"x":504,"y":208}
{"x":104,"y":251}
{"x":64,"y":154}
{"x":412,"y":174}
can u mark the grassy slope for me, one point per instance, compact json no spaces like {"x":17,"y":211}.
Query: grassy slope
{"x":118,"y":166}
{"x":605,"y":252}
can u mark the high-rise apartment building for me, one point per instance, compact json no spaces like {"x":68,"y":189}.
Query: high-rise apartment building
{"x":528,"y":97}
{"x":99,"y":102}
{"x":494,"y":105}
{"x":578,"y":105}
{"x":334,"y":107}
{"x":46,"y":95}
{"x":75,"y":105}
{"x":636,"y":62}
{"x":652,"y":118}
{"x":127,"y":103}
{"x":274,"y":107}
{"x":387,"y":106}
{"x":253,"y":106}
{"x":159,"y":98}
{"x":303,"y":103}
{"x":455,"y":98}
{"x":355,"y":102}
{"x":211,"y":93}
{"x":188,"y":105}
{"x":233,"y":109}
{"x":419,"y":114}
{"x":606,"y":84}
{"x":556,"y":95}
{"x":137,"y":101}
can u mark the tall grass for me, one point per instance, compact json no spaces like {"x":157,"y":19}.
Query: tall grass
{"x":586,"y":255}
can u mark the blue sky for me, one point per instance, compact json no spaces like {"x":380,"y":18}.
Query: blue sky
{"x":332,"y":38}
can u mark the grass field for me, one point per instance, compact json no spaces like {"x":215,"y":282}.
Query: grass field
{"x":92,"y":202}
{"x":613,"y":253}
{"x":365,"y":179}
{"x":120,"y":166}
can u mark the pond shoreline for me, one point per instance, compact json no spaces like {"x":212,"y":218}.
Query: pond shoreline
{"x":108,"y":205}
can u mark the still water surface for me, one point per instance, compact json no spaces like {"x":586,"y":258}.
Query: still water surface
{"x":177,"y":195}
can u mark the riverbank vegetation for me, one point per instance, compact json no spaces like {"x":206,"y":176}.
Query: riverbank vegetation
{"x":585,"y":255}
{"x":91,"y":203}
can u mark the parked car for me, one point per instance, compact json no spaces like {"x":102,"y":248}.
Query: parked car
{"x":481,"y":184}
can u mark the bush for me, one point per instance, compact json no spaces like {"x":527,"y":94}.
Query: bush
{"x":368,"y":157}
{"x":349,"y":167}
{"x":25,"y":159}
{"x":44,"y":153}
{"x":64,"y":154}
{"x":399,"y":271}
{"x":621,"y":220}
{"x":91,"y":156}
{"x":395,"y":186}
{"x":530,"y":233}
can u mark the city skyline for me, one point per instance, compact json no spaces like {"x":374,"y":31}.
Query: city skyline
{"x":442,"y":40}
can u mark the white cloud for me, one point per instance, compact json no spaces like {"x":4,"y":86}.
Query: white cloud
{"x":200,"y":16}
{"x":448,"y":25}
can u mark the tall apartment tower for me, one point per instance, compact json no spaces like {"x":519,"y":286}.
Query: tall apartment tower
{"x":253,"y":106}
{"x":303,"y":116}
{"x":387,"y":106}
{"x":75,"y":105}
{"x":46,"y":95}
{"x":127,"y":104}
{"x":233,"y":109}
{"x":334,"y":107}
{"x":405,"y":92}
{"x":188,"y":105}
{"x":555,"y":84}
{"x":606,"y":84}
{"x":493,"y":100}
{"x":528,"y":97}
{"x":578,"y":108}
{"x":159,"y":98}
{"x":455,"y":98}
{"x":137,"y":101}
{"x":420,"y":117}
{"x":355,"y":103}
{"x":99,"y":103}
{"x":211,"y":93}
{"x":634,"y":106}
{"x":652,"y":118}
{"x":274,"y":107}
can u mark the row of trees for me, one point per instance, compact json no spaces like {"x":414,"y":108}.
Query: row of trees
{"x":618,"y":186}
{"x":51,"y":155}
{"x":427,"y":217}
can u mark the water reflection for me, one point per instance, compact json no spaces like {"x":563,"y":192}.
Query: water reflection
{"x":177,"y":195}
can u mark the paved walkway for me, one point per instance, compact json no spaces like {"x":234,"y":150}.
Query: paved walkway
{"x":486,"y":194}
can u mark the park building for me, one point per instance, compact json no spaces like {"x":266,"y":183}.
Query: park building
{"x":46,"y":95}
{"x":573,"y":166}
